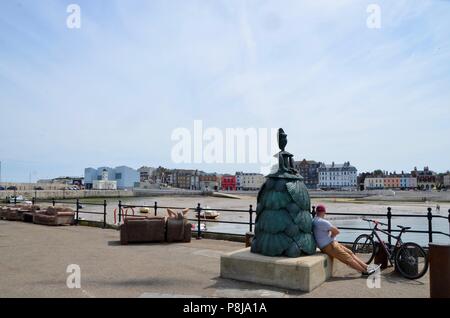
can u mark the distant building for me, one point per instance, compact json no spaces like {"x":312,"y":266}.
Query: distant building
{"x":210,"y":182}
{"x":407,"y":181}
{"x":446,"y":180}
{"x":337,"y":176}
{"x":145,"y":173}
{"x":249,"y":181}
{"x":184,"y":178}
{"x":426,"y":179}
{"x":228,"y":182}
{"x":181,"y":178}
{"x":361,"y":180}
{"x":104,"y":183}
{"x":68,"y":181}
{"x":309,"y":170}
{"x":392,"y":182}
{"x":146,"y":178}
{"x":125,"y":177}
{"x":373,"y":183}
{"x":163,"y":176}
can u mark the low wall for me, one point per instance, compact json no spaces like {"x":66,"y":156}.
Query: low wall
{"x":375,"y":195}
{"x":172,"y":191}
{"x":67,"y":194}
{"x":414,"y":196}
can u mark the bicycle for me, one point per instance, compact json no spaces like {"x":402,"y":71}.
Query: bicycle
{"x":410,"y":259}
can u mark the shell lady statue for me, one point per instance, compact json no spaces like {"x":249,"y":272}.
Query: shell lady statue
{"x":283,"y":220}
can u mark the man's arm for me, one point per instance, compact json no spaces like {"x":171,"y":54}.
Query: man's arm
{"x":334,"y":231}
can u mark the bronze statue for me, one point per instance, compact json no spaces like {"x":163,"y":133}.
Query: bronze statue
{"x":283,"y":223}
{"x":285,"y":159}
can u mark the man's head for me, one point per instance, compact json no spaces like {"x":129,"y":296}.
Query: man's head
{"x":321,"y":211}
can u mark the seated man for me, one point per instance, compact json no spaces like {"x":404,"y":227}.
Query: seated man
{"x":325,"y":235}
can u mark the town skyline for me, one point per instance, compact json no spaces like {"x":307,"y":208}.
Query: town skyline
{"x":297,"y":164}
{"x":34,"y":177}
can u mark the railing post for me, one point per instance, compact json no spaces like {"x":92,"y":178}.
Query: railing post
{"x":448,"y":221}
{"x":77,"y":209}
{"x":313,"y":211}
{"x":251,"y":217}
{"x":53,"y":202}
{"x":156,"y":207}
{"x":430,"y":225}
{"x":120,"y":210}
{"x":199,"y":231}
{"x":389,"y":218}
{"x":104,"y":213}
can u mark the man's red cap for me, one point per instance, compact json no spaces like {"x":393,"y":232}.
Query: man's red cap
{"x":321,"y":208}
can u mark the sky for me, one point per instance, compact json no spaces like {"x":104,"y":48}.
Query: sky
{"x":113,"y":91}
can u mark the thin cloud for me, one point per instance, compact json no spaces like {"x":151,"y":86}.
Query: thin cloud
{"x":113,"y":91}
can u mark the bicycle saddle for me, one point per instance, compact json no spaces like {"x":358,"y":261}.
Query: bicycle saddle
{"x":404,"y":227}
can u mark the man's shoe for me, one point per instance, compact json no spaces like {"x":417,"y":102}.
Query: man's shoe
{"x":373,"y":269}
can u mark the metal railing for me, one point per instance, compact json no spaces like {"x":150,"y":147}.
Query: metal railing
{"x":389,"y":215}
{"x":122,"y":214}
{"x":78,"y":208}
{"x":198,"y":218}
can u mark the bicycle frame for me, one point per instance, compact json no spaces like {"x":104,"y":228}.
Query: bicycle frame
{"x":390,"y":251}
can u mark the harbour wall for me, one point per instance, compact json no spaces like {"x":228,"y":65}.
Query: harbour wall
{"x":373,"y":195}
{"x":67,"y":194}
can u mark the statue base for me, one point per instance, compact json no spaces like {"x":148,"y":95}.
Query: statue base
{"x":303,"y":273}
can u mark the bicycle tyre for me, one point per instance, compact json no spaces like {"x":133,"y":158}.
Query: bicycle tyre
{"x":403,"y":254}
{"x":367,"y":241}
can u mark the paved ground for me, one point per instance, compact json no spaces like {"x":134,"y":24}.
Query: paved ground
{"x":34,"y":258}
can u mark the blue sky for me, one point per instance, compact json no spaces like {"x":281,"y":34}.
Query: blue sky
{"x":112,"y":92}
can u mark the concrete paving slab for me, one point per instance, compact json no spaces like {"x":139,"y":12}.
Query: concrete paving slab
{"x":34,"y":259}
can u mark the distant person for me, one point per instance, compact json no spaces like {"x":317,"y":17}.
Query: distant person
{"x":438,"y":208}
{"x":325,"y":234}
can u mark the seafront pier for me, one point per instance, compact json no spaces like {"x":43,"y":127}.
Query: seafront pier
{"x":35,"y":259}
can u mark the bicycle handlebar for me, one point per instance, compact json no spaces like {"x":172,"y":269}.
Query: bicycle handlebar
{"x":375,"y":221}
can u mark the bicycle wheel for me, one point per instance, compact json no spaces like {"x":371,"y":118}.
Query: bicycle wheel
{"x":411,"y":261}
{"x":364,"y":248}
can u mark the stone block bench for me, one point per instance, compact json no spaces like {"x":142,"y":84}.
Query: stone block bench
{"x":303,"y":273}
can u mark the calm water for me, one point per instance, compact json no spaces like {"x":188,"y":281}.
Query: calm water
{"x":333,"y":205}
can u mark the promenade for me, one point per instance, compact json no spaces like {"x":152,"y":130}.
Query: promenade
{"x":34,"y":258}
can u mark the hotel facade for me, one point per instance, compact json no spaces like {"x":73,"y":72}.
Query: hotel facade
{"x":337,"y":176}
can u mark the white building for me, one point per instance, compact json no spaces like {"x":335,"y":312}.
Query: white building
{"x":337,"y":176}
{"x":447,"y":180}
{"x":104,"y":183}
{"x":124,"y":176}
{"x":373,"y":183}
{"x":249,"y":181}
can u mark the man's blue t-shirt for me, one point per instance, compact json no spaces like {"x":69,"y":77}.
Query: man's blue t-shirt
{"x":321,"y":229}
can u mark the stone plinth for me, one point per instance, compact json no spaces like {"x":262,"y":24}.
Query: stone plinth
{"x":303,"y":273}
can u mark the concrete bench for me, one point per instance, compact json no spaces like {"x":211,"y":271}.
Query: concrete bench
{"x":303,"y":273}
